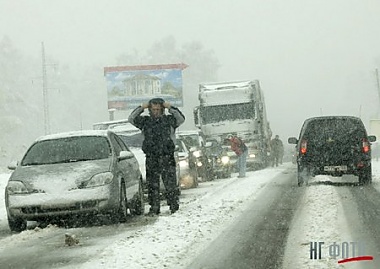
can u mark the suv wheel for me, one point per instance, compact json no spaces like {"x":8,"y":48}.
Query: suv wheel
{"x":365,"y":176}
{"x":300,"y":180}
{"x":303,"y":175}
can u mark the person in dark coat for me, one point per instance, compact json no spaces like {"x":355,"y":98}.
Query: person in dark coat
{"x":158,"y":145}
{"x":277,"y":151}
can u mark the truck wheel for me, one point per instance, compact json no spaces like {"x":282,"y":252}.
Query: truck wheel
{"x":227,"y":175}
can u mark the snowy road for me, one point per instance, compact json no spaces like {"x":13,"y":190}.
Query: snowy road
{"x":256,"y":239}
{"x":262,"y":221}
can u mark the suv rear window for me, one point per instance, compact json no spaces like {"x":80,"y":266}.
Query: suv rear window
{"x":334,"y":128}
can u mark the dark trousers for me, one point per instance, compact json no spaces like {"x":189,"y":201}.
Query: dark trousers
{"x":161,"y":167}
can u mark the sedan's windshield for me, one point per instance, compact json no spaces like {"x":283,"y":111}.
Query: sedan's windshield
{"x":68,"y":149}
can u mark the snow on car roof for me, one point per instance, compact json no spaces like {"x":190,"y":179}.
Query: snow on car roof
{"x":106,"y":124}
{"x":188,"y":132}
{"x":73,"y":133}
{"x":221,"y":85}
{"x":124,"y":127}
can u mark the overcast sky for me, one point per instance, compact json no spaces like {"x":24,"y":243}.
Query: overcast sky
{"x":312,"y":57}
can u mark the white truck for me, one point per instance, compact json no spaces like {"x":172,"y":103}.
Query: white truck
{"x":236,"y":107}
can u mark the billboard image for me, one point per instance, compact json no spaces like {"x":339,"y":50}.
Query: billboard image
{"x":130,"y":86}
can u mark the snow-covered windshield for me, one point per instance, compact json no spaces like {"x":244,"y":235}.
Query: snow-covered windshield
{"x":212,"y":114}
{"x":70,"y":149}
{"x":335,"y":127}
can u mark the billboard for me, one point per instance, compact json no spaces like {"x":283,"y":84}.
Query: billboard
{"x":130,"y":86}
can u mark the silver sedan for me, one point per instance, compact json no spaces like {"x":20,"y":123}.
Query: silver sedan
{"x":78,"y":173}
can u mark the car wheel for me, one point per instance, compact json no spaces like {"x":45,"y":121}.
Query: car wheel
{"x":137,"y":206}
{"x":120,"y":215}
{"x":365,"y":176}
{"x":16,"y":224}
{"x":194,"y":176}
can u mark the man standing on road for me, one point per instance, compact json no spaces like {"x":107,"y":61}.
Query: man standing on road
{"x":158,"y":145}
{"x":277,"y":150}
{"x":241,"y":150}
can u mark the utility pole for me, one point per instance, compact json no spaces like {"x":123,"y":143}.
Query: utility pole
{"x":45,"y":93}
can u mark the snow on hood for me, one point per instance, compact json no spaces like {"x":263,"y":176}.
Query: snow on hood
{"x":55,"y":178}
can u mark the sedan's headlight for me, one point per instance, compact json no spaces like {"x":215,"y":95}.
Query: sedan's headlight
{"x":252,"y":155}
{"x":100,"y":180}
{"x":197,"y":153}
{"x":16,"y":187}
{"x":225,"y":159}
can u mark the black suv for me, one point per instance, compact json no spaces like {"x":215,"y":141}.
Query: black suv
{"x":333,"y":145}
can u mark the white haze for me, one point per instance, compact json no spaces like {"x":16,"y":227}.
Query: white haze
{"x":312,"y":57}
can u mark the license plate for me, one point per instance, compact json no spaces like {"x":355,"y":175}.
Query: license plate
{"x":335,"y":168}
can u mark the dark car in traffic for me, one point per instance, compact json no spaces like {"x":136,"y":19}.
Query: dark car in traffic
{"x":335,"y":146}
{"x":196,"y":144}
{"x":219,"y":160}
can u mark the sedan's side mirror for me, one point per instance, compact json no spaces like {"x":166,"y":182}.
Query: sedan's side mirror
{"x":12,"y":165}
{"x":125,"y":155}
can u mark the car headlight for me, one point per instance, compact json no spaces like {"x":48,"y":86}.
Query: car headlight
{"x":16,"y":187}
{"x":100,"y":180}
{"x":197,"y":153}
{"x":225,"y":159}
{"x":252,"y":155}
{"x":183,"y":163}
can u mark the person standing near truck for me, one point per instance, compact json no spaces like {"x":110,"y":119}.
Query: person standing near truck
{"x":241,"y":150}
{"x":158,"y":145}
{"x":277,"y":150}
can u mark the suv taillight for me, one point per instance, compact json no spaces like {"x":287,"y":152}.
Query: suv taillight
{"x":303,"y":147}
{"x":365,"y":145}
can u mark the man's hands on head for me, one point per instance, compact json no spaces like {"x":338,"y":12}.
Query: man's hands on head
{"x":167,"y":105}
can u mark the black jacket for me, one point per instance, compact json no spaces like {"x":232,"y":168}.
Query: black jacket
{"x":159,"y":133}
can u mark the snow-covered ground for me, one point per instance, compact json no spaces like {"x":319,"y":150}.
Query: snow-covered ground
{"x":172,"y":241}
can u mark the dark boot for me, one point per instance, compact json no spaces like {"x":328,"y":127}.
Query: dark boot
{"x":154,"y":210}
{"x":174,"y":207}
{"x":173,"y":200}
